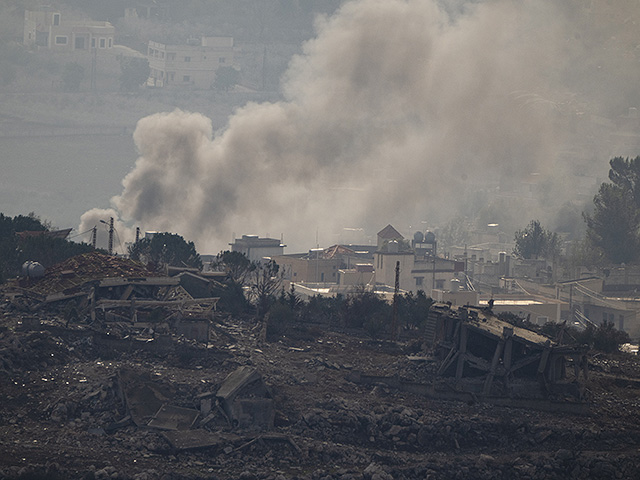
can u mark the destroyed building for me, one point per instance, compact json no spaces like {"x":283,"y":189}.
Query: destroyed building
{"x":489,"y":357}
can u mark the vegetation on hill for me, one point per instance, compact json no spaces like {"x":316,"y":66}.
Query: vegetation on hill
{"x":44,"y":249}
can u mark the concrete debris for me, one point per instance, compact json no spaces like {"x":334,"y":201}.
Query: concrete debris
{"x":170,"y":417}
{"x":132,"y":394}
{"x":246,"y":400}
{"x":487,"y":357}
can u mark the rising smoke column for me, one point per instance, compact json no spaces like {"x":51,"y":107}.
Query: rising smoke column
{"x":391,"y":113}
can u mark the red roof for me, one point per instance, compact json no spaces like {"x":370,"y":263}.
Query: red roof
{"x":389,"y":233}
{"x":36,"y":233}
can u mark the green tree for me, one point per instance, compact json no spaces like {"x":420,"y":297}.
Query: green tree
{"x":235,"y":264}
{"x":14,"y":251}
{"x":613,"y":227}
{"x":226,"y":78}
{"x":625,"y":173}
{"x":265,"y":283}
{"x":134,"y":72}
{"x":535,"y":241}
{"x":605,"y":337}
{"x":367,"y":310}
{"x":72,"y":77}
{"x":166,"y":249}
{"x":413,"y":309}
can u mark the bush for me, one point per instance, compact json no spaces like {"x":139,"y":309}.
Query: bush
{"x":605,"y":338}
{"x":281,"y":318}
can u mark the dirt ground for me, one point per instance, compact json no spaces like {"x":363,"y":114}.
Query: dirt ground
{"x":62,"y":416}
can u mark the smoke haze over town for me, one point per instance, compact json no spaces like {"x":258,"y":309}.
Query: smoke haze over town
{"x":412,"y":112}
{"x":396,"y":110}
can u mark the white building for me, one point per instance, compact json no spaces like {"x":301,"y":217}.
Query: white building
{"x":189,"y":65}
{"x":256,"y":248}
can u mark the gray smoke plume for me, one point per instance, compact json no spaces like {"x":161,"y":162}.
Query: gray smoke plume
{"x":394,"y":113}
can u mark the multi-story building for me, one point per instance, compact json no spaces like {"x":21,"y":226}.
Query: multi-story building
{"x":189,"y":65}
{"x":327,"y":266}
{"x":256,"y":248}
{"x":45,"y":28}
{"x":420,"y":267}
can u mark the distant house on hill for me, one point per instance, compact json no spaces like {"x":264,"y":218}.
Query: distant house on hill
{"x":194,"y":64}
{"x":44,"y":28}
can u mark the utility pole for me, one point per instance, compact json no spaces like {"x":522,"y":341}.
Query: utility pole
{"x":111,"y":236}
{"x":137,"y":234}
{"x":92,"y":74}
{"x":94,"y":236}
{"x":396,"y":296}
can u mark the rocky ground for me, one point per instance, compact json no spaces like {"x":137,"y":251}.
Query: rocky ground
{"x":61,"y":414}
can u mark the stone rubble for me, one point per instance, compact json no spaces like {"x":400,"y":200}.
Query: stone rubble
{"x":63,"y":413}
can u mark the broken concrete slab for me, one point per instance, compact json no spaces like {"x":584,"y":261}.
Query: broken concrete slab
{"x":170,"y":417}
{"x":244,"y":381}
{"x":142,"y":396}
{"x":246,"y":400}
{"x":199,"y":439}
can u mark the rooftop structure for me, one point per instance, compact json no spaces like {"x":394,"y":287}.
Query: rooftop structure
{"x":256,"y":248}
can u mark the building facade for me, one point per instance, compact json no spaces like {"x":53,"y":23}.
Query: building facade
{"x":256,"y":248}
{"x":189,"y":65}
{"x":46,"y":29}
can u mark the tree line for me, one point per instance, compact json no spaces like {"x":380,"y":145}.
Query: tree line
{"x":612,"y":228}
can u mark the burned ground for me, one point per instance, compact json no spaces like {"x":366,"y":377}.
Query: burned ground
{"x":69,"y":411}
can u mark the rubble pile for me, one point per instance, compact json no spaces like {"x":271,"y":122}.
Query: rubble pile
{"x":77,"y":403}
{"x":80,"y":269}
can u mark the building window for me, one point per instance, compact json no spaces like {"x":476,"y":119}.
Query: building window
{"x":93,"y":43}
{"x":419,"y":281}
{"x":187,"y":59}
{"x":222,"y":60}
{"x":440,"y":284}
{"x":171,"y":56}
{"x":186,"y":78}
{"x":79,"y":43}
{"x":110,"y":43}
{"x":103,"y":42}
{"x":170,"y":76}
{"x":61,"y":40}
{"x":56,"y":19}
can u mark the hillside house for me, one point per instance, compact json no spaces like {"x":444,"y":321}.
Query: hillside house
{"x":194,"y":64}
{"x":45,"y":28}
